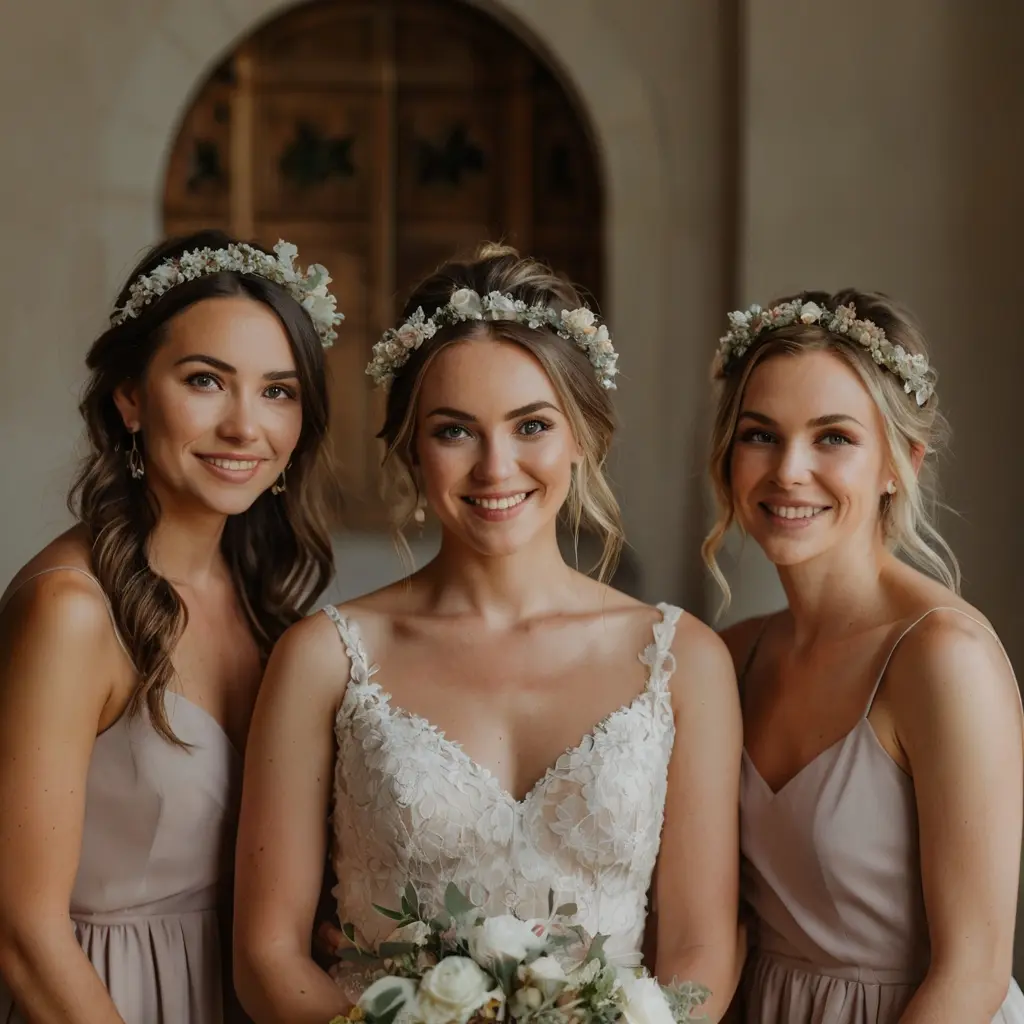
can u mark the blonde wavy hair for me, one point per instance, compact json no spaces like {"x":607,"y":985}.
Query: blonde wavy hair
{"x":911,"y":431}
{"x":591,"y":505}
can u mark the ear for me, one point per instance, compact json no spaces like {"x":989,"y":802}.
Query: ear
{"x":917,"y":454}
{"x":128,"y":399}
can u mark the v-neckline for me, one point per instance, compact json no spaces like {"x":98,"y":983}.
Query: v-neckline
{"x":385,"y":700}
{"x":774,"y":794}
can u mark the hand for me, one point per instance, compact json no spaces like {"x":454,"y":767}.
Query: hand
{"x":327,"y":940}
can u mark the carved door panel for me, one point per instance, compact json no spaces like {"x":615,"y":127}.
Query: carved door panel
{"x":382,"y":137}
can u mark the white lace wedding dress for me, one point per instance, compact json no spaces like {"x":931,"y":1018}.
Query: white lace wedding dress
{"x":412,"y":806}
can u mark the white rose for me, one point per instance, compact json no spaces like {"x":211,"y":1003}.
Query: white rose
{"x":602,"y":342}
{"x":810,"y":313}
{"x":453,"y":991}
{"x":395,"y":990}
{"x":579,"y":321}
{"x":643,"y":1001}
{"x":410,"y":336}
{"x":505,"y":936}
{"x":501,"y":306}
{"x":416,"y":932}
{"x":466,"y":302}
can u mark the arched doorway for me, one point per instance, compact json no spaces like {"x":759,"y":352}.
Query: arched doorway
{"x":381,"y":136}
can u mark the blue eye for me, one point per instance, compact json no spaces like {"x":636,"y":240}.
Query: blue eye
{"x":203,"y":381}
{"x":758,"y":437}
{"x":531,"y":428}
{"x":452,"y":432}
{"x":834,"y":440}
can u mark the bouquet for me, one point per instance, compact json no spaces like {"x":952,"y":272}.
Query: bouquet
{"x":464,"y":967}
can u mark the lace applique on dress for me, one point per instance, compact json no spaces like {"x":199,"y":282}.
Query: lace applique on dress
{"x":411,"y":805}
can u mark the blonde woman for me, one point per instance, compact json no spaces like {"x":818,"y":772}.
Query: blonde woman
{"x":497,"y":719}
{"x":881,"y":788}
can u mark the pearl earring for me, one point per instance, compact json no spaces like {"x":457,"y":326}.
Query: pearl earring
{"x":420,"y":514}
{"x":890,"y":487}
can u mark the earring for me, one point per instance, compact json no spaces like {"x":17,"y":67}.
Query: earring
{"x":420,"y":514}
{"x":136,"y":467}
{"x":890,"y":487}
{"x":280,"y":485}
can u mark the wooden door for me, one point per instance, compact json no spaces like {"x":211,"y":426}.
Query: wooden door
{"x":382,"y":137}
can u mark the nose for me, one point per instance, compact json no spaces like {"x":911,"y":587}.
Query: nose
{"x":496,"y":460}
{"x":793,"y":466}
{"x":239,"y":422}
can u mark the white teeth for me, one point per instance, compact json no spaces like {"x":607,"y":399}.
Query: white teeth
{"x":796,"y":512}
{"x":232,"y":463}
{"x":498,"y":503}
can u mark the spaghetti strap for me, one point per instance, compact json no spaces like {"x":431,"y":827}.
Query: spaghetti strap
{"x":89,"y":576}
{"x":748,"y":662}
{"x":917,"y":622}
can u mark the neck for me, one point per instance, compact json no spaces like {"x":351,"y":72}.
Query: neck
{"x":834,"y":593}
{"x":184,"y":546}
{"x":501,"y":589}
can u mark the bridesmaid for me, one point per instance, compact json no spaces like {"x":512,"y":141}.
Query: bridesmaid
{"x":882,"y":776}
{"x":132,"y":646}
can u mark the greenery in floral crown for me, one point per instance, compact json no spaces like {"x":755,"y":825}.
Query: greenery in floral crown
{"x":464,"y":967}
{"x":395,"y":347}
{"x":309,"y":288}
{"x":745,"y":327}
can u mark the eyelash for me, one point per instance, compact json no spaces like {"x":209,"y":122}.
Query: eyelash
{"x":751,"y":437}
{"x":194,"y":379}
{"x":443,"y":433}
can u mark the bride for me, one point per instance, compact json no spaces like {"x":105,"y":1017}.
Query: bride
{"x":497,"y":719}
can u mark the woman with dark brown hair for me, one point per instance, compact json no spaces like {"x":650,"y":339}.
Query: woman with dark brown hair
{"x":132,"y":646}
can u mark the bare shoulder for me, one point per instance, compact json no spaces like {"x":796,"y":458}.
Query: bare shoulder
{"x":311,"y":653}
{"x":950,"y":664}
{"x":740,"y":637}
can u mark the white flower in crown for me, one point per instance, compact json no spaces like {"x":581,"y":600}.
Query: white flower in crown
{"x":467,"y":303}
{"x":393,"y":350}
{"x":746,"y":325}
{"x":578,"y":321}
{"x":501,"y":307}
{"x":309,"y":289}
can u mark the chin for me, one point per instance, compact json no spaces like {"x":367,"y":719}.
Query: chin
{"x":229,"y":503}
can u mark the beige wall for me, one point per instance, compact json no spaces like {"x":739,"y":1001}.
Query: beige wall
{"x":883,"y":150}
{"x":99,"y":87}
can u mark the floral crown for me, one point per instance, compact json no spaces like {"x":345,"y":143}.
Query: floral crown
{"x":395,"y":347}
{"x":309,"y":289}
{"x":917,"y":376}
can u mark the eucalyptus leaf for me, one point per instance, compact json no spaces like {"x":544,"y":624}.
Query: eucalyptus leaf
{"x":394,"y":915}
{"x":389,"y":950}
{"x":455,"y":903}
{"x":567,"y":910}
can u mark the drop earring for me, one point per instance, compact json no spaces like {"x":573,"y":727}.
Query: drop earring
{"x":420,"y":513}
{"x":136,"y":467}
{"x":280,"y":485}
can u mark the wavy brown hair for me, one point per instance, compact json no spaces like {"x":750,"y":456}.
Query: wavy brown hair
{"x":906,"y":518}
{"x":591,"y":505}
{"x":278,"y":551}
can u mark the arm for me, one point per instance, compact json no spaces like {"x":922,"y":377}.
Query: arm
{"x":698,"y":865}
{"x":958,"y":718}
{"x":58,"y":661}
{"x":282,"y":838}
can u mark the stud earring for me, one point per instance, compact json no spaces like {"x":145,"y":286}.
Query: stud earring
{"x":136,"y":467}
{"x":890,"y":487}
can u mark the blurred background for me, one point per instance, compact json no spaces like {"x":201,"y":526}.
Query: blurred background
{"x":678,"y":158}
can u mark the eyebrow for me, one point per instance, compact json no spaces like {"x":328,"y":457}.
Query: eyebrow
{"x":819,"y":421}
{"x":219,"y":364}
{"x":468,"y":417}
